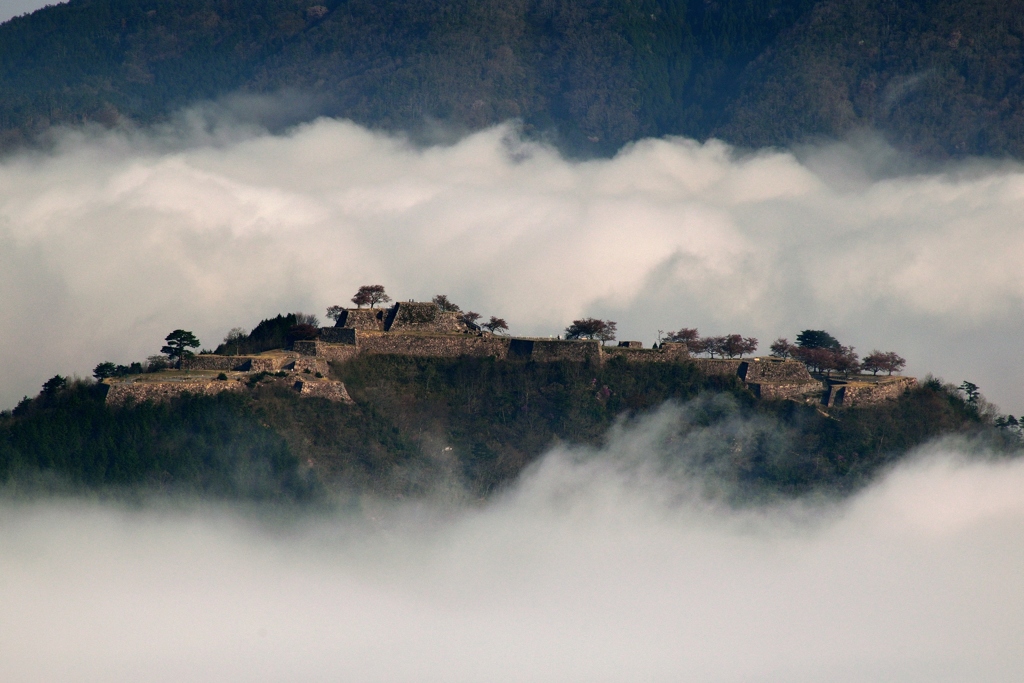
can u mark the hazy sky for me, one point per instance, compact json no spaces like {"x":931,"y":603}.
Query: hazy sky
{"x":112,"y":239}
{"x":13,"y":8}
{"x":596,"y":567}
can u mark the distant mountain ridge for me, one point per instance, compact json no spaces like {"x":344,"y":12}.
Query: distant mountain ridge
{"x":938,"y":77}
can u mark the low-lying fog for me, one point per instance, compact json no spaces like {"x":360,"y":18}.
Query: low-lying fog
{"x":597,"y":566}
{"x":112,"y":239}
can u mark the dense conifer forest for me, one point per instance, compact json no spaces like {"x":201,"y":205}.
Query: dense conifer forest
{"x":938,"y":77}
{"x":420,"y":423}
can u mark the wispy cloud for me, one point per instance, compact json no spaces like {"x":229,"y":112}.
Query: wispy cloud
{"x":595,"y":567}
{"x":111,"y":240}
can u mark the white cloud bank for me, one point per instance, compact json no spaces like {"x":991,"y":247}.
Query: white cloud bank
{"x":113,"y":239}
{"x":591,"y":569}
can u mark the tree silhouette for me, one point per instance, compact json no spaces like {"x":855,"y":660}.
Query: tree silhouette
{"x":817,"y":339}
{"x":445,"y":304}
{"x":495,"y":325}
{"x":178,"y":344}
{"x":370,"y":295}
{"x":591,"y":328}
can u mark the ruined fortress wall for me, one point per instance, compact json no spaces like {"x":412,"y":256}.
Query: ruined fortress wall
{"x":328,"y":352}
{"x":362,"y":318}
{"x":420,"y":316}
{"x":122,"y":392}
{"x":718,"y":366}
{"x":777,"y":391}
{"x":787,"y":371}
{"x":549,"y":350}
{"x":338,"y":335}
{"x":674,"y":353}
{"x":308,"y":363}
{"x":332,"y":391}
{"x":212,"y":362}
{"x":870,"y":393}
{"x":440,"y":346}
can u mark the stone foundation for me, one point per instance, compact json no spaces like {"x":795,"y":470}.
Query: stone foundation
{"x":332,"y":391}
{"x":550,"y":350}
{"x":123,"y":392}
{"x":854,"y":393}
{"x":668,"y":353}
{"x":434,"y":346}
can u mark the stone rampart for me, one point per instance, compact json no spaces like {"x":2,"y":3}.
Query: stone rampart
{"x":332,"y":391}
{"x":674,"y":353}
{"x":422,"y":316}
{"x":139,"y":392}
{"x":362,"y":318}
{"x":550,"y":350}
{"x":853,"y":394}
{"x":435,"y":346}
{"x":718,"y":366}
{"x":778,"y":391}
{"x":338,"y":335}
{"x":212,"y":362}
{"x":774,"y":370}
{"x":311,"y":364}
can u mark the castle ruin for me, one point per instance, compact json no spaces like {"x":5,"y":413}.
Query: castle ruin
{"x":422,"y":329}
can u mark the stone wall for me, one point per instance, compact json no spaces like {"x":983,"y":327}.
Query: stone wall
{"x":668,"y":353}
{"x":338,"y":335}
{"x":313,"y":364}
{"x":122,"y":392}
{"x":235,"y":363}
{"x":362,"y":318}
{"x":852,"y":394}
{"x":212,"y":362}
{"x":718,"y":366}
{"x":422,"y":316}
{"x":549,"y":350}
{"x":778,"y":391}
{"x":332,"y":391}
{"x":436,"y":346}
{"x":774,"y":370}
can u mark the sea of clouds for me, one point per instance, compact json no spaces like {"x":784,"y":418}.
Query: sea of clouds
{"x":598,"y":566}
{"x":111,"y":239}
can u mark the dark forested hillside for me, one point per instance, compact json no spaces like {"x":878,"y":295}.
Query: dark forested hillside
{"x":943,"y":77}
{"x":420,"y":423}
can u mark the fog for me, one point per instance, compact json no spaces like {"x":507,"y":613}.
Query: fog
{"x":598,"y":566}
{"x":111,"y":239}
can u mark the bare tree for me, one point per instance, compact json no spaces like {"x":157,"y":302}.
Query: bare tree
{"x":307,"y":319}
{"x":234,"y":337}
{"x":335,"y":312}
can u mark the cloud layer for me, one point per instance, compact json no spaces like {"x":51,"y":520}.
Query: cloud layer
{"x":596,"y":567}
{"x":111,"y":240}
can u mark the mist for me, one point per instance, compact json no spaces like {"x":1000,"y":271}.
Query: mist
{"x":598,"y":565}
{"x":111,"y":239}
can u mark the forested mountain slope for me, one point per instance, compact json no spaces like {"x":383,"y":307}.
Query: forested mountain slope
{"x":420,"y":423}
{"x":942,"y":77}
